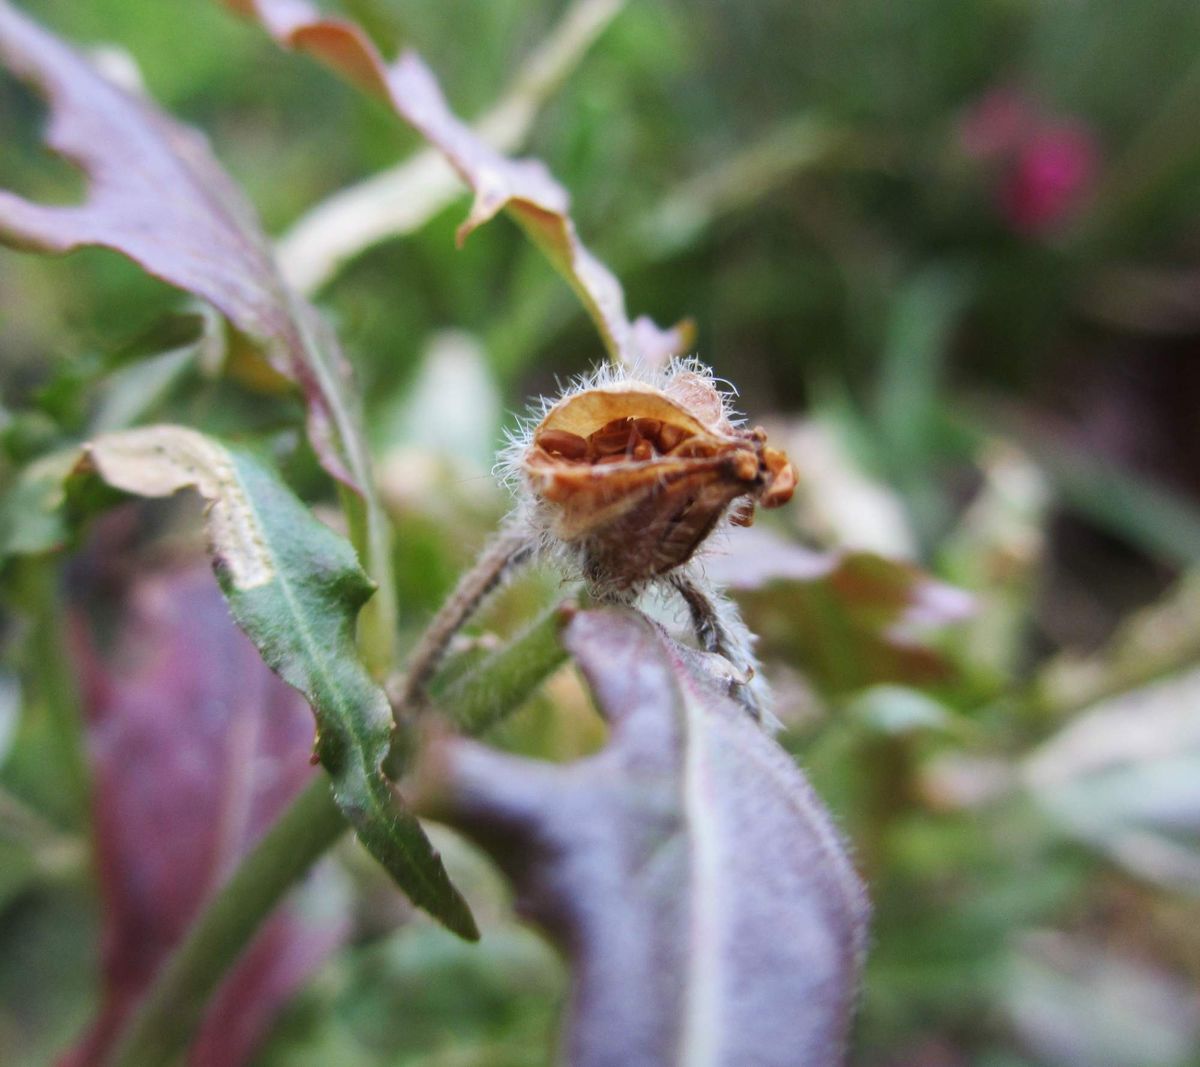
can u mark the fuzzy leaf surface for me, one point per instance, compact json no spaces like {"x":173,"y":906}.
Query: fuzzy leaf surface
{"x":705,"y":900}
{"x":295,"y":587}
{"x":523,"y":187}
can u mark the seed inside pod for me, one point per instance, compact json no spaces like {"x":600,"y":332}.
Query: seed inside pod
{"x":562,"y":444}
{"x":636,"y":476}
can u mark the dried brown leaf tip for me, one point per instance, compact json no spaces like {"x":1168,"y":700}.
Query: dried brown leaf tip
{"x":634,"y":475}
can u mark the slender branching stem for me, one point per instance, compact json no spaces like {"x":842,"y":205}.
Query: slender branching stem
{"x":507,"y":550}
{"x":55,"y":683}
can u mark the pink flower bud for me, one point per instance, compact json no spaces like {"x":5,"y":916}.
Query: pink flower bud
{"x":1049,"y":177}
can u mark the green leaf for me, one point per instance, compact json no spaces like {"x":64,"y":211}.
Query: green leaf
{"x":31,"y":519}
{"x":295,"y":587}
{"x":920,"y":331}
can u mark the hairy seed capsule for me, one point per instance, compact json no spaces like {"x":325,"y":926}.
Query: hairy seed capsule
{"x":634,"y":476}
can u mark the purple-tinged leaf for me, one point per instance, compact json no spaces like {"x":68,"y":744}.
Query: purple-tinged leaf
{"x":848,"y":619}
{"x":524,"y":187}
{"x":690,"y":873}
{"x":196,"y":747}
{"x":156,"y":194}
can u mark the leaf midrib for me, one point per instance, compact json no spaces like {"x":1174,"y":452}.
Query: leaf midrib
{"x":312,"y":648}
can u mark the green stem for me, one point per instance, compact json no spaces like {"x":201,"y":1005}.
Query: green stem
{"x":164,"y":1024}
{"x":54,"y":680}
{"x":55,"y":856}
{"x":503,"y":680}
{"x":166,"y":1020}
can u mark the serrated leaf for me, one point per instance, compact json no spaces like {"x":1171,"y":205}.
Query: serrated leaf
{"x":295,"y":587}
{"x":706,"y":901}
{"x":156,"y":194}
{"x":524,"y":187}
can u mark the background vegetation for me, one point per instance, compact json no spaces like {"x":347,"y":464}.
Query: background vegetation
{"x":948,"y":253}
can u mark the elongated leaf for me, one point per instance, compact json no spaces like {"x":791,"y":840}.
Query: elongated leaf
{"x":156,"y":194}
{"x":695,"y":880}
{"x":217,"y":754}
{"x":403,"y":198}
{"x":295,"y":587}
{"x":524,"y":188}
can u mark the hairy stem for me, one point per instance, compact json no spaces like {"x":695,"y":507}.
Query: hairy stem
{"x":507,"y":550}
{"x":724,"y":633}
{"x":54,"y":681}
{"x":371,"y":536}
{"x":512,"y":673}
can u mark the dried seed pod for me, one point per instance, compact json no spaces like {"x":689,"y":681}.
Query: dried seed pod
{"x":621,"y":480}
{"x":631,"y":476}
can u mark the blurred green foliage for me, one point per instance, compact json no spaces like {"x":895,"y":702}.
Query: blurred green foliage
{"x":1012,"y":405}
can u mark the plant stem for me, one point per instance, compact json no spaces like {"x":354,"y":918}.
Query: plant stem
{"x":371,"y":536}
{"x":167,"y":1018}
{"x":54,"y":680}
{"x":503,"y":680}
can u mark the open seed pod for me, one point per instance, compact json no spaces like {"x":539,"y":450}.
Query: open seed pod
{"x":637,"y":475}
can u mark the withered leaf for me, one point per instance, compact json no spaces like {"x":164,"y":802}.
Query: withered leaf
{"x":689,"y":871}
{"x":156,"y":194}
{"x":524,"y":187}
{"x":848,"y":619}
{"x":189,"y":765}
